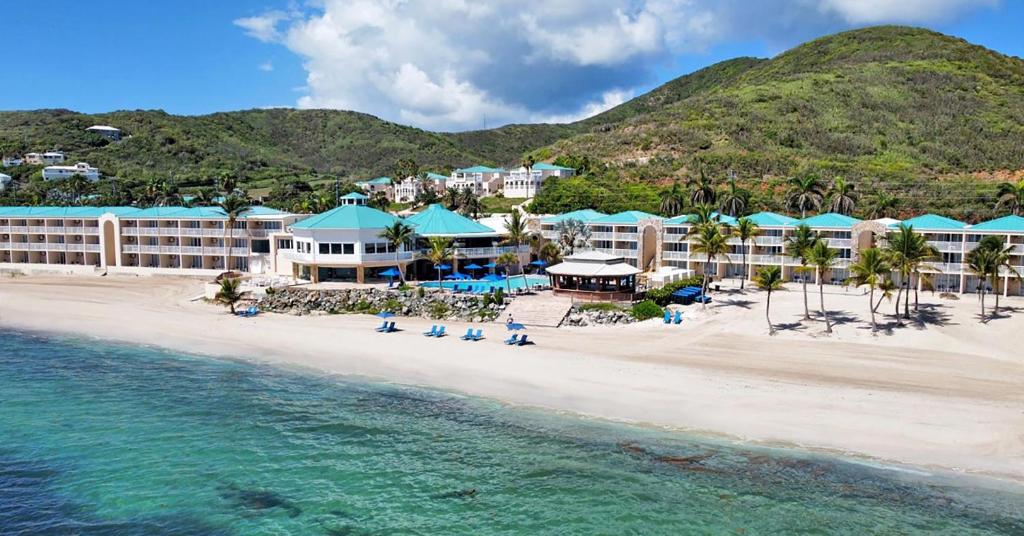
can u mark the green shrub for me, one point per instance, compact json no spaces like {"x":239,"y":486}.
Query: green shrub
{"x":600,"y":306}
{"x":393,"y":305}
{"x":499,"y":296}
{"x":439,"y":310}
{"x":663,"y":295}
{"x":421,"y":292}
{"x":486,"y":299}
{"x":646,"y":309}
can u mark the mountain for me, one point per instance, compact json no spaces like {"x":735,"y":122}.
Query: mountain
{"x":882,"y":101}
{"x":925,"y":115}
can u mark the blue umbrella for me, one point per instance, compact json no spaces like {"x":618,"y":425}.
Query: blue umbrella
{"x":493,"y":278}
{"x":385,"y":314}
{"x":473,"y":266}
{"x":539,"y":262}
{"x":514,"y":326}
{"x":442,"y":267}
{"x":391,"y":272}
{"x":490,"y":265}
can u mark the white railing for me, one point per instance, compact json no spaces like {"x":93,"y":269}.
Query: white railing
{"x":56,"y":230}
{"x":676,"y":255}
{"x":5,"y":245}
{"x":602,"y":236}
{"x":39,"y":247}
{"x":768,"y":240}
{"x":945,"y":267}
{"x":5,"y":228}
{"x":90,"y":230}
{"x":947,"y":246}
{"x":130,"y":248}
{"x":18,"y":228}
{"x":36,"y":229}
{"x":839,"y":243}
{"x":675,"y":238}
{"x":377,"y":257}
{"x":628,"y":253}
{"x":20,"y":246}
{"x":169,"y":231}
{"x":490,"y":252}
{"x":256,"y":233}
{"x":628,"y":237}
{"x":767,"y":259}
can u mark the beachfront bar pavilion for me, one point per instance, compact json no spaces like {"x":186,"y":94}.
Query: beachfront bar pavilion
{"x":594,"y":276}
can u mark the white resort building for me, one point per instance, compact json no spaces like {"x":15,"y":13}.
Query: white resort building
{"x":481,"y":180}
{"x":524,"y":184}
{"x":58,"y":173}
{"x":111,"y":133}
{"x":49,"y":158}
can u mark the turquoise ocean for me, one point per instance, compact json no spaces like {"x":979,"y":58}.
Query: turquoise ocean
{"x":99,"y":438}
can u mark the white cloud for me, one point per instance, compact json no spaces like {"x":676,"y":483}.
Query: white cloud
{"x":909,"y":11}
{"x":458,"y":64}
{"x":266,"y":66}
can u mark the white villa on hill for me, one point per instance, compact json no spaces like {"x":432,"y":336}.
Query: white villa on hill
{"x":58,"y":173}
{"x":111,"y":133}
{"x":524,"y":184}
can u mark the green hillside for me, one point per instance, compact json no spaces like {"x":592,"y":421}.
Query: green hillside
{"x":924,"y":116}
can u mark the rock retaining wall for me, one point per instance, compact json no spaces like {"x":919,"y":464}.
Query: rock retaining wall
{"x":435,"y":305}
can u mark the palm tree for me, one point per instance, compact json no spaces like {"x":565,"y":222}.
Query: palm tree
{"x":77,"y":185}
{"x":806,"y":193}
{"x":703,"y":214}
{"x":440,"y":251}
{"x":1002,"y":260}
{"x":735,"y":200}
{"x":907,"y":251}
{"x":379,"y":200}
{"x":672,"y":199}
{"x":550,"y":253}
{"x":745,"y":230}
{"x":518,"y":234}
{"x":229,"y":293}
{"x":398,"y":234}
{"x":983,"y":263}
{"x":709,"y":240}
{"x":870,"y":270}
{"x":452,"y":198}
{"x":769,"y":278}
{"x":703,"y":190}
{"x":505,"y":260}
{"x":572,"y":234}
{"x":842,"y":196}
{"x":234,"y":207}
{"x":1011,"y":196}
{"x":883,"y":205}
{"x":823,"y":258}
{"x":469,"y":203}
{"x":798,"y":245}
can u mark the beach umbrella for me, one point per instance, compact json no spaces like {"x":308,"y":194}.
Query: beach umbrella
{"x":385,"y":314}
{"x":539,"y":262}
{"x":391,"y":272}
{"x":473,"y":267}
{"x":493,"y":278}
{"x":514,"y":326}
{"x":490,"y":265}
{"x":442,"y":267}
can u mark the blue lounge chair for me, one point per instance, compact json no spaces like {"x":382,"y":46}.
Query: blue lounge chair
{"x":679,"y":317}
{"x":513,"y":339}
{"x":440,"y":332}
{"x":522,"y":341}
{"x":468,"y":336}
{"x":382,"y":327}
{"x":389,"y":328}
{"x":479,"y":335}
{"x":432,"y":332}
{"x":668,"y":317}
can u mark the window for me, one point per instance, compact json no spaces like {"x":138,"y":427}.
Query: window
{"x":349,"y":249}
{"x":325,"y":249}
{"x":261,"y":246}
{"x":272,"y":225}
{"x":284,"y":243}
{"x":335,"y":249}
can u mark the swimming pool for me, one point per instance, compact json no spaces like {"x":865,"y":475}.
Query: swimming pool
{"x":480,"y":286}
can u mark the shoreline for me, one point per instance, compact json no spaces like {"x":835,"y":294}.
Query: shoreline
{"x":887,"y":404}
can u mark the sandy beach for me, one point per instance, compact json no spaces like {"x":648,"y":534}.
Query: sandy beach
{"x":947,"y":393}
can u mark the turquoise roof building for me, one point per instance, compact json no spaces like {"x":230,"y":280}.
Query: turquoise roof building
{"x":541,"y":166}
{"x":379,"y":181}
{"x":586,"y":216}
{"x":627,"y":217}
{"x":1008,"y":224}
{"x":932,"y":222}
{"x":63,"y":212}
{"x":772,"y":219}
{"x":480,"y":169}
{"x":831,"y":220}
{"x":437,"y":220}
{"x":348,"y":217}
{"x":436,"y":176}
{"x":355,"y":195}
{"x":684,"y":219}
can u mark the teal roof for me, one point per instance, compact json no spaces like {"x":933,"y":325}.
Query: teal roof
{"x":439,"y":221}
{"x":933,"y":221}
{"x":625,"y":217}
{"x":348,"y":217}
{"x":378,"y":181}
{"x":830,"y":220}
{"x":260,"y":210}
{"x":685,"y":219}
{"x":63,"y":212}
{"x":198,"y":213}
{"x":586,"y":215}
{"x":437,"y":177}
{"x":541,"y":166}
{"x":354,"y":195}
{"x":772,"y":219}
{"x":480,"y":169}
{"x":1006,"y":223}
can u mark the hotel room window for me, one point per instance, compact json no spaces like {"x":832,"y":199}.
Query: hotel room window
{"x":261,"y":246}
{"x":349,"y":249}
{"x":324,"y":249}
{"x":335,"y":249}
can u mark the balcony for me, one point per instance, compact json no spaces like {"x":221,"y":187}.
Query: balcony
{"x":5,"y":245}
{"x":674,"y":238}
{"x":839,"y":243}
{"x":37,"y":229}
{"x":627,"y":253}
{"x":944,"y":267}
{"x":767,"y":259}
{"x":955,"y":247}
{"x":602,"y":236}
{"x":18,"y":229}
{"x":768,"y":240}
{"x":489,"y":252}
{"x":676,"y":255}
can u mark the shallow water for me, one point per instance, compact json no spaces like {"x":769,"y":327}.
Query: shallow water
{"x":106,"y":439}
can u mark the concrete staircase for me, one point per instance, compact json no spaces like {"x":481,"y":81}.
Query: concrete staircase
{"x":542,"y":309}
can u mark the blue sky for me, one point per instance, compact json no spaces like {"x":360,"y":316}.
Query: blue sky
{"x":443,"y":64}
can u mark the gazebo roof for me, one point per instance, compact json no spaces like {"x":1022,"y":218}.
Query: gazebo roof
{"x":593,"y":264}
